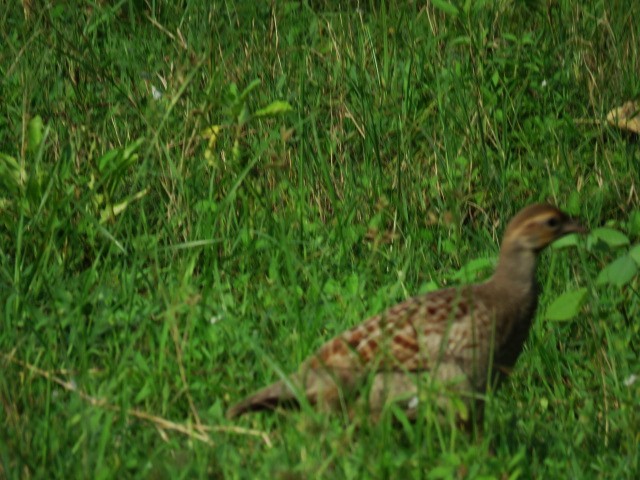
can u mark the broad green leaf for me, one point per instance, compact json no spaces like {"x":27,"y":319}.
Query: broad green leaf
{"x":564,"y":242}
{"x":275,"y":108}
{"x":619,"y":272}
{"x":469,"y":271}
{"x":446,"y":7}
{"x":566,"y":306}
{"x":635,"y":254}
{"x":610,"y":236}
{"x":34,"y":133}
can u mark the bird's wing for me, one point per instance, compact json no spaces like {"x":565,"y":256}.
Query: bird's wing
{"x":415,"y":335}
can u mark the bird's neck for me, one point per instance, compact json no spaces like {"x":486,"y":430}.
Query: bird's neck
{"x":516,"y":270}
{"x":514,"y":285}
{"x":513,"y":293}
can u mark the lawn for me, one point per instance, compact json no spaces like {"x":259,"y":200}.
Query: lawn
{"x":196,"y":195}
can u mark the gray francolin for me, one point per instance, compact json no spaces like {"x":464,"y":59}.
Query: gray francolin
{"x":458,"y":338}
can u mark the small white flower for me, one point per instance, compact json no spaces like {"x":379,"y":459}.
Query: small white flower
{"x":630,"y":380}
{"x":544,"y":84}
{"x":215,"y":319}
{"x":157,"y":94}
{"x":413,"y":403}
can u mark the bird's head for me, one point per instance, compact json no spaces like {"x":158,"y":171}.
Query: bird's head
{"x":536,"y":226}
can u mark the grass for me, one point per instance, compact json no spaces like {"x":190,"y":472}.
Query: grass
{"x":173,"y":235}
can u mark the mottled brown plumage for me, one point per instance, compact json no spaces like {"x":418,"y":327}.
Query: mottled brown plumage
{"x":457,"y":338}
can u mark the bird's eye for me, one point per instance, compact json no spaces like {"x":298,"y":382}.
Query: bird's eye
{"x":553,"y":222}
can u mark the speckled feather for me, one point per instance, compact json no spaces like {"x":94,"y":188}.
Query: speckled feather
{"x":409,"y":336}
{"x":455,"y":334}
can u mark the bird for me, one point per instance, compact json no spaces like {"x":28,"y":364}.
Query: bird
{"x":455,"y":341}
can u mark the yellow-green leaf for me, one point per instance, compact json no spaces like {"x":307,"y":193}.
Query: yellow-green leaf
{"x":34,"y":133}
{"x":274,"y":108}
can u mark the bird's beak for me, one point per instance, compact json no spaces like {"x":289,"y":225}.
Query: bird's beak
{"x":571,"y":226}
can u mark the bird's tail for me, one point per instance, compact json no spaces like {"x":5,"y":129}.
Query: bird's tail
{"x":268,"y":398}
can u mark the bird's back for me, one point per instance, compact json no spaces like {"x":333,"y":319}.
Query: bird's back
{"x":419,"y":334}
